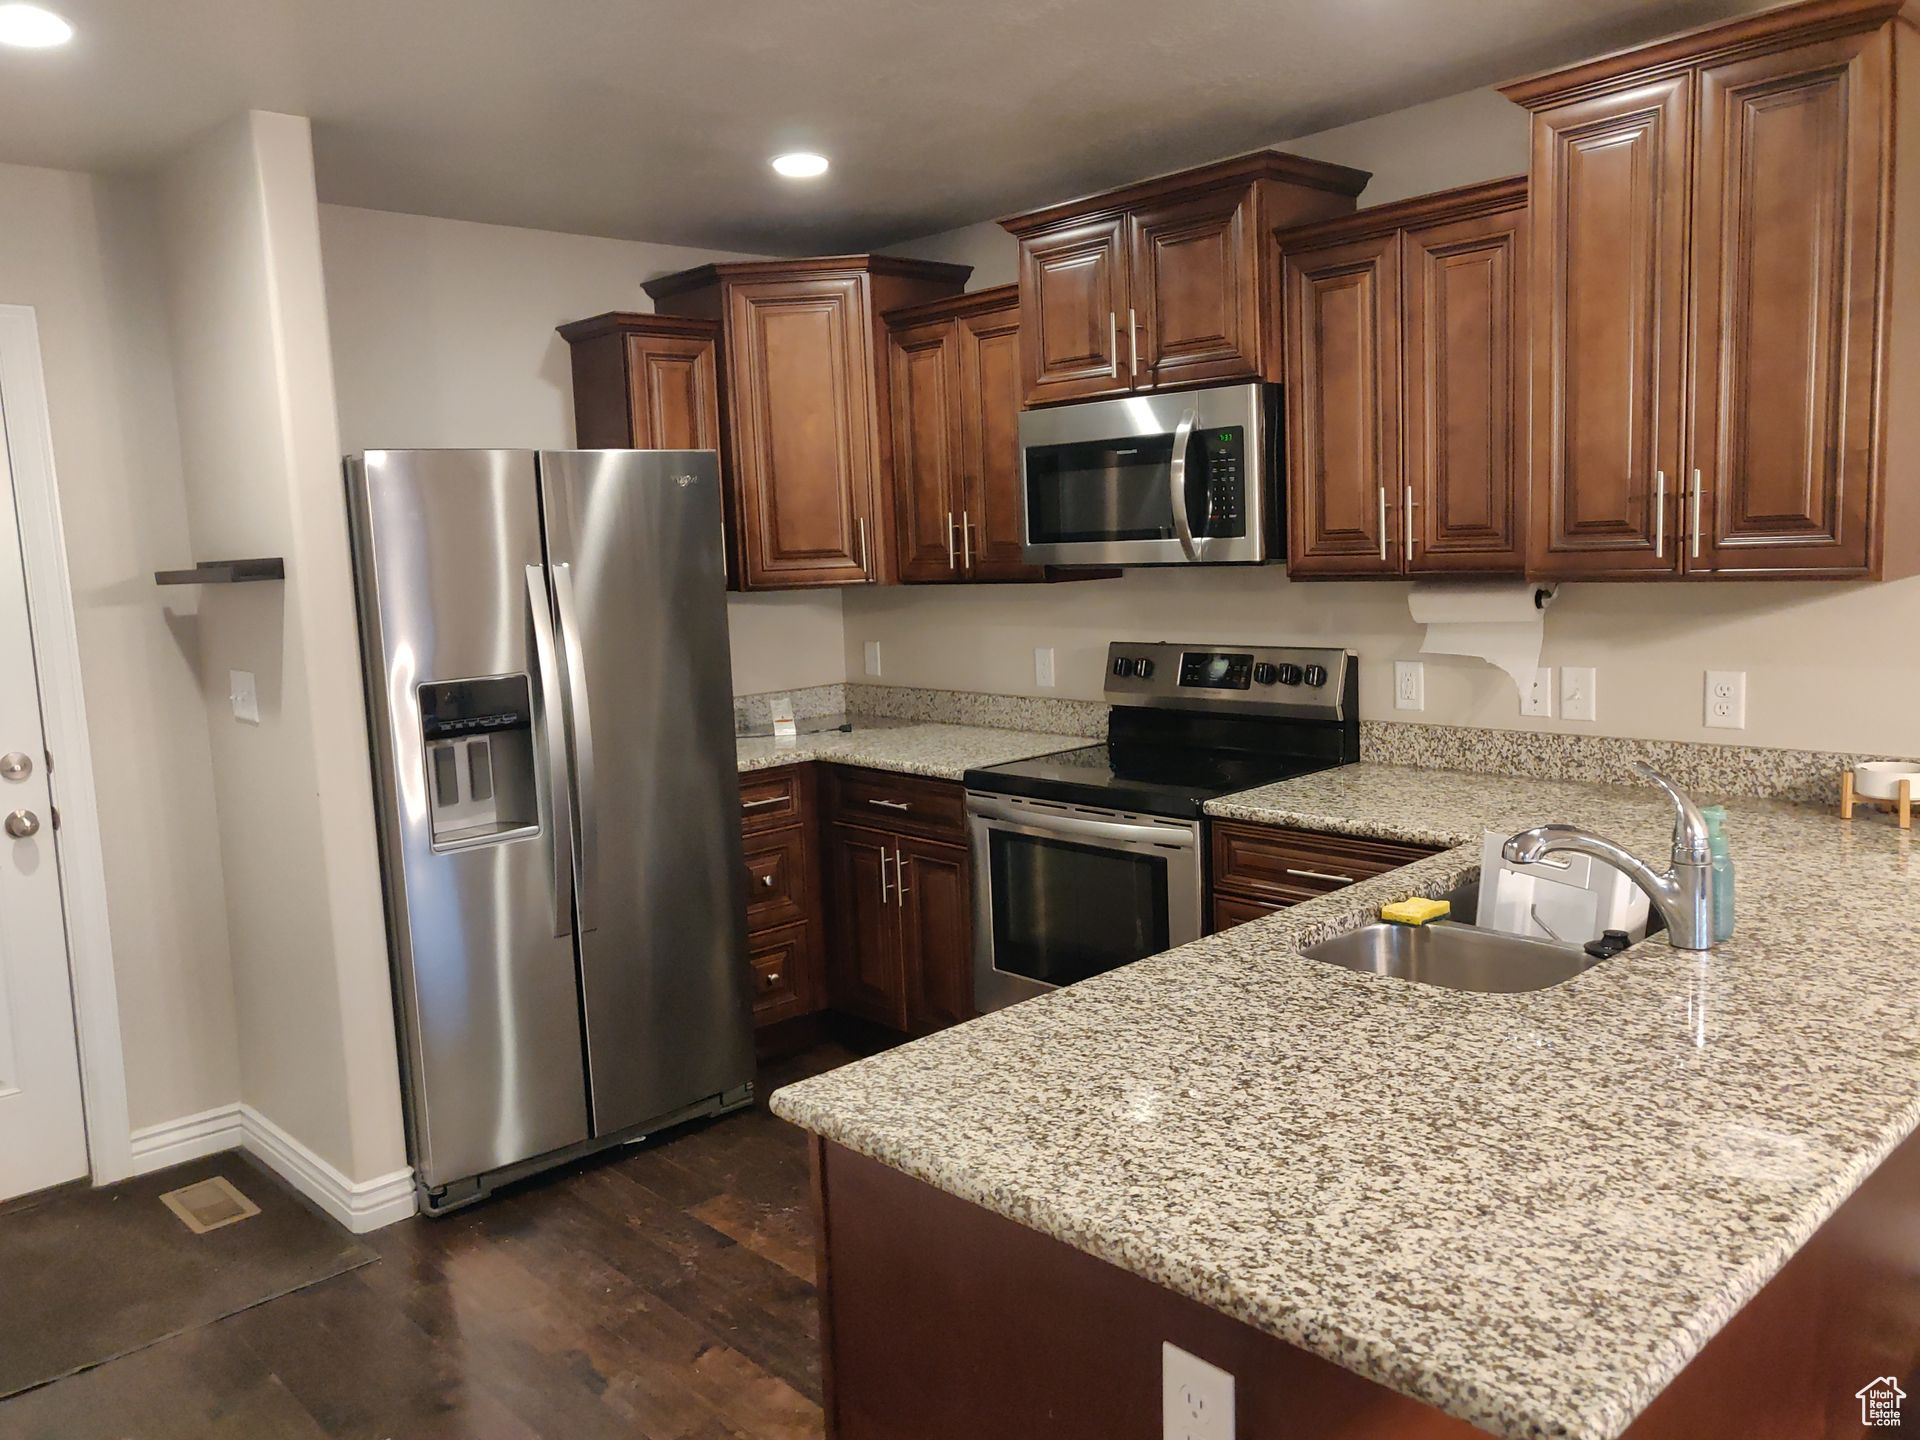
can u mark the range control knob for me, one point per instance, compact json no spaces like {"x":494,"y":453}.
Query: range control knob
{"x":1289,"y":674}
{"x":1316,"y":675}
{"x":1122,"y":666}
{"x":1264,"y":674}
{"x":1143,"y":668}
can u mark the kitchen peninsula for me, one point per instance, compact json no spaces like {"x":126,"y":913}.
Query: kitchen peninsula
{"x":1665,"y":1198}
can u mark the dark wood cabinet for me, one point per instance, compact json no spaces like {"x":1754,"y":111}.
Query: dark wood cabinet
{"x":806,"y":406}
{"x":1722,"y":319}
{"x":1407,"y":394}
{"x":785,"y":930}
{"x":1167,"y":283}
{"x":1257,"y":868}
{"x":954,"y":368}
{"x":900,"y":949}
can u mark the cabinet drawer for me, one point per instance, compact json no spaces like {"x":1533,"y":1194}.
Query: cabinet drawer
{"x":777,"y":889}
{"x":770,"y":799}
{"x":780,"y":960}
{"x":1232,"y":910}
{"x":1263,"y":862}
{"x":906,"y":804}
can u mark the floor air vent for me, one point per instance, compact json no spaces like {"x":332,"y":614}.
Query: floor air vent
{"x":209,"y":1204}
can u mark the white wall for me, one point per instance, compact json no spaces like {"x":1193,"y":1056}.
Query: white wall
{"x":255,"y":400}
{"x":80,"y":250}
{"x":1817,"y":654}
{"x":443,"y":335}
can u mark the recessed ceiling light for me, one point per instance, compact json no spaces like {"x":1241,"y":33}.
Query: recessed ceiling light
{"x":28,"y":27}
{"x":800,"y":165}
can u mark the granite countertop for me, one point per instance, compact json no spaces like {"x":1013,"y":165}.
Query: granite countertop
{"x":1530,"y":1211}
{"x":945,"y":752}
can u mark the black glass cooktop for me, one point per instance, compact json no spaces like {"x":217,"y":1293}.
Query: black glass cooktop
{"x":1147,"y":779}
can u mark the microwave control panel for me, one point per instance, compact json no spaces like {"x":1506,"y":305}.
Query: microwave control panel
{"x":1220,"y":454}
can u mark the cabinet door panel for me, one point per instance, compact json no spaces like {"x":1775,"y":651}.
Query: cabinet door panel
{"x":1791,"y":160}
{"x":1194,"y":285}
{"x":1073,"y":299}
{"x":675,"y":397}
{"x":779,"y":961}
{"x":936,"y":922}
{"x":800,"y":367}
{"x":1610,"y":274}
{"x":866,"y":974}
{"x":924,"y":393}
{"x":1464,"y":390}
{"x":1343,"y":408}
{"x":989,"y":345}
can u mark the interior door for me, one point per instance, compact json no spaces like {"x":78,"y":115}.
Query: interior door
{"x":1343,"y":408}
{"x":1786,"y":295}
{"x":923,"y":391}
{"x":42,"y":1130}
{"x":1073,"y":301}
{"x":1195,"y":291}
{"x":989,"y":354}
{"x":1609,"y":227}
{"x":866,"y":974}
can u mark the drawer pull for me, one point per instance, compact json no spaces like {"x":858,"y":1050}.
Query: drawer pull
{"x":891,"y":804}
{"x":767,"y":880}
{"x":762,"y":804}
{"x":1320,"y":875}
{"x":770,"y":980}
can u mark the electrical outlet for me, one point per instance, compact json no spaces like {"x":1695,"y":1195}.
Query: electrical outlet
{"x":244,"y":696}
{"x":1539,"y":697}
{"x":1196,"y":1398}
{"x":1043,"y":667}
{"x":1727,"y":699}
{"x":1409,"y":685}
{"x":873,"y":658}
{"x":1577,"y":698}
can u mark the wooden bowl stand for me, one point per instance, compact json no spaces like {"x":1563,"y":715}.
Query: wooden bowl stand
{"x":1901,"y":804}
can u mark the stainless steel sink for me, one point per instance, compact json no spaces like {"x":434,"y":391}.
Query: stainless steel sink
{"x":1458,"y":957}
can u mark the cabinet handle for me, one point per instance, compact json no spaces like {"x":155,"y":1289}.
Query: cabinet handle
{"x":950,"y":564}
{"x":865,"y":568}
{"x":762,"y":804}
{"x":1659,"y":514}
{"x":891,"y":804}
{"x":1320,"y":875}
{"x":770,"y":980}
{"x":966,"y":540}
{"x":900,"y":890}
{"x":1407,"y":521}
{"x":1113,"y":344}
{"x":767,"y":880}
{"x":883,"y":877}
{"x":1695,"y":541}
{"x":1133,"y":345}
{"x":1383,"y":522}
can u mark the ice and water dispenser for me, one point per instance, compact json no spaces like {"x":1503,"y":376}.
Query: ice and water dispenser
{"x":479,"y":741}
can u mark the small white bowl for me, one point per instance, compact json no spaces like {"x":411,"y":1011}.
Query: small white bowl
{"x":1880,"y":779}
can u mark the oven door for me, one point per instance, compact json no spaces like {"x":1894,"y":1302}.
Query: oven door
{"x":1175,"y":479}
{"x":1063,"y":892}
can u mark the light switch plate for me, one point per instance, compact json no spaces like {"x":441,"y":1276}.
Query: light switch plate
{"x":1726,"y":699}
{"x":1409,"y":685}
{"x":244,"y":696}
{"x":1196,"y":1398}
{"x":1539,"y":699}
{"x":873,"y":658}
{"x":1578,"y":700}
{"x":1043,"y":667}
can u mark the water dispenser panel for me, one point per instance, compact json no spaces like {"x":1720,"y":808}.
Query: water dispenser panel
{"x":479,"y":757}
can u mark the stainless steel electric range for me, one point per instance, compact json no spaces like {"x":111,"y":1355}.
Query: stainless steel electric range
{"x":1092,"y":858}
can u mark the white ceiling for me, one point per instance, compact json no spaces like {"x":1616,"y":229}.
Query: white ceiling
{"x":654,"y":119}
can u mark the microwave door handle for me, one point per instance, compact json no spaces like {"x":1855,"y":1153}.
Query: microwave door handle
{"x":559,"y":815}
{"x":586,"y":850}
{"x":1177,"y":484}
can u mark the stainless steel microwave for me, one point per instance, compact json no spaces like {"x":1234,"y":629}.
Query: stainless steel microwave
{"x":1188,"y":478}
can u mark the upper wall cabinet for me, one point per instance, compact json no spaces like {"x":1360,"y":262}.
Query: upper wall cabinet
{"x":806,"y":399}
{"x":1168,"y":283}
{"x":1407,"y":387}
{"x":1725,"y":314}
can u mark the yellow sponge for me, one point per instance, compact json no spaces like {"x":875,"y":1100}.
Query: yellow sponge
{"x":1416,"y":911}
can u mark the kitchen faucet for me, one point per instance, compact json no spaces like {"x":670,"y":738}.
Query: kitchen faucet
{"x":1683,"y":895}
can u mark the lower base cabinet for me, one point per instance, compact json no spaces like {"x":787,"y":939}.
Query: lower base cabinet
{"x":779,"y":823}
{"x":1258,"y":869}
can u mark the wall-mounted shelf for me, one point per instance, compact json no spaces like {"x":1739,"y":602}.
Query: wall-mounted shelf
{"x":225,"y":572}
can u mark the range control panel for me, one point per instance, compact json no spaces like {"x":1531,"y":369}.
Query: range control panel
{"x":1254,"y":678}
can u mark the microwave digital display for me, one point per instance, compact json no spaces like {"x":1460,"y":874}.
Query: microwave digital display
{"x":1210,"y":670}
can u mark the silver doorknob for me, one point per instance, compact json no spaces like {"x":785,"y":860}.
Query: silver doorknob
{"x":23,"y":824}
{"x":15,"y":766}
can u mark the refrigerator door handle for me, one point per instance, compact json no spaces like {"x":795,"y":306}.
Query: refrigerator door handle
{"x":559,"y":817}
{"x":586,"y":845}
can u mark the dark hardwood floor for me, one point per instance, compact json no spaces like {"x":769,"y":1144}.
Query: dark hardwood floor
{"x":663,"y":1294}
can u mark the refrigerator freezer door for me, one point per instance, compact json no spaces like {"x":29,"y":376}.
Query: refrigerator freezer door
{"x":633,"y":539}
{"x":452,"y":591}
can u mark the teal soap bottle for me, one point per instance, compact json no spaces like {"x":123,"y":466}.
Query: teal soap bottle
{"x":1716,"y":817}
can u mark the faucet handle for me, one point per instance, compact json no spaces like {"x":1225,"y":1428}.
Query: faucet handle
{"x":1691,"y":841}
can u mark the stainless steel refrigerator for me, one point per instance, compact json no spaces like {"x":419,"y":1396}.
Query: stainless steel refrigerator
{"x":545,"y":642}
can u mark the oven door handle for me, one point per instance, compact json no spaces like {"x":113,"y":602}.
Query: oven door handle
{"x":1177,"y":483}
{"x":1172,"y":837}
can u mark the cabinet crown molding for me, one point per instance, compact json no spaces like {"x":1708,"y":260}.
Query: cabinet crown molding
{"x":812,"y":267}
{"x":1774,"y":29}
{"x":974,"y":302}
{"x":1463,"y":203}
{"x":638,"y":321}
{"x":1260,"y":165}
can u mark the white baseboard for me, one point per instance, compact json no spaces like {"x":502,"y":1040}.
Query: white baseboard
{"x":360,"y":1205}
